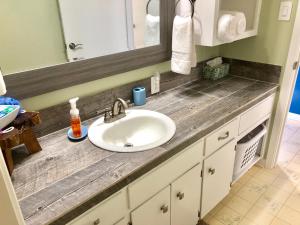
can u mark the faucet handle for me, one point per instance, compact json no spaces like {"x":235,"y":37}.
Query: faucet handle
{"x":104,"y":112}
{"x":129,"y":103}
{"x":107,"y":114}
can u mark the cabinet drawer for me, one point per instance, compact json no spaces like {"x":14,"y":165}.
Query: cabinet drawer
{"x":108,"y":212}
{"x":221,"y":137}
{"x":155,"y":180}
{"x":156,"y":211}
{"x":256,"y":113}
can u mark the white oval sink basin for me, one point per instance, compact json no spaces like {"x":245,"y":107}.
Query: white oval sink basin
{"x":139,"y":130}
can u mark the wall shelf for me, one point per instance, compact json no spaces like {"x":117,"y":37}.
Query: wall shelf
{"x":207,"y":14}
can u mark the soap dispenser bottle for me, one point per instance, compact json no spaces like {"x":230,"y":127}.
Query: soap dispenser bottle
{"x":75,"y":118}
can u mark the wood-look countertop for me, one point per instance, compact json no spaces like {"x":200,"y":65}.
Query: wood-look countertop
{"x":65,"y":179}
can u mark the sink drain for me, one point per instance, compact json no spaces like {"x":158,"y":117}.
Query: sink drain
{"x":128,"y":145}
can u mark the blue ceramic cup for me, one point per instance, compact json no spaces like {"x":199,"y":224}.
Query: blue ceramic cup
{"x":139,"y":96}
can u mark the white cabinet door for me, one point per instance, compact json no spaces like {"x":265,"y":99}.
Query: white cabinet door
{"x":155,"y":211}
{"x":217,"y":176}
{"x":185,"y":198}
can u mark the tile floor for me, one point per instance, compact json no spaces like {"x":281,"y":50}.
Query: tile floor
{"x":263,"y":196}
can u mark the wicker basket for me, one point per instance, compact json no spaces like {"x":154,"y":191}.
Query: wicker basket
{"x":216,"y":72}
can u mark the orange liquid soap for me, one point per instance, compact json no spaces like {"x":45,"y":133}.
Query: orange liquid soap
{"x":76,"y":127}
{"x":75,"y":118}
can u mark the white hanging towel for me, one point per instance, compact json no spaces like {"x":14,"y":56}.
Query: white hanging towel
{"x":183,"y":47}
{"x":2,"y":84}
{"x":184,"y":8}
{"x":152,"y":33}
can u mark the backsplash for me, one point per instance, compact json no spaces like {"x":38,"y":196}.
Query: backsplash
{"x":57,"y":117}
{"x":253,"y":70}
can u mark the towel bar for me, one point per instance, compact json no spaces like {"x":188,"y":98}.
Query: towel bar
{"x":192,"y":5}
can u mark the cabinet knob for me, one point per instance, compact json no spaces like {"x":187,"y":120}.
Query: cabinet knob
{"x":97,"y":222}
{"x":180,"y":195}
{"x":164,"y":208}
{"x":226,"y":135}
{"x":211,"y":171}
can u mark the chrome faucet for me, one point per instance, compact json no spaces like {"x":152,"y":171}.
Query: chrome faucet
{"x":117,"y":111}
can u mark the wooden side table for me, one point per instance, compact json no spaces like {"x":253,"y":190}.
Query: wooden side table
{"x":21,"y":133}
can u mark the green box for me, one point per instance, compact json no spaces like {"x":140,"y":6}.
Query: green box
{"x":217,"y":72}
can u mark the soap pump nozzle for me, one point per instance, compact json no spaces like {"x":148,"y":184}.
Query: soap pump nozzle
{"x":74,"y":111}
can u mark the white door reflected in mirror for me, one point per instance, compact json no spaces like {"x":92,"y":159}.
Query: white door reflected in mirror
{"x":94,"y":28}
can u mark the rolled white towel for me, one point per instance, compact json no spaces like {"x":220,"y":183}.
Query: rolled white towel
{"x":2,"y":84}
{"x":231,"y":24}
{"x":225,"y":31}
{"x":239,"y":21}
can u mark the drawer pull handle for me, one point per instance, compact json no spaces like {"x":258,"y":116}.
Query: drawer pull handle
{"x":164,"y":208}
{"x":211,"y":171}
{"x":180,"y":195}
{"x":97,"y":222}
{"x":224,"y":137}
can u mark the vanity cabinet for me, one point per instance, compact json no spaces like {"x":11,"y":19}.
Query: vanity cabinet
{"x":185,"y":198}
{"x":217,"y":177}
{"x":186,"y":186}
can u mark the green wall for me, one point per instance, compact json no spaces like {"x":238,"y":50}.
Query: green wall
{"x":31,"y":35}
{"x":272,"y":43}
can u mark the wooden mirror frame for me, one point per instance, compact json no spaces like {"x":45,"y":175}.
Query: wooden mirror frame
{"x":40,"y":81}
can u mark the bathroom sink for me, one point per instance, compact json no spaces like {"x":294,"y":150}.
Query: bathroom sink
{"x":139,"y":130}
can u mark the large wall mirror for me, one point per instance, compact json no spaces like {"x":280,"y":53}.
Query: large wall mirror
{"x":49,"y":45}
{"x":95,"y":28}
